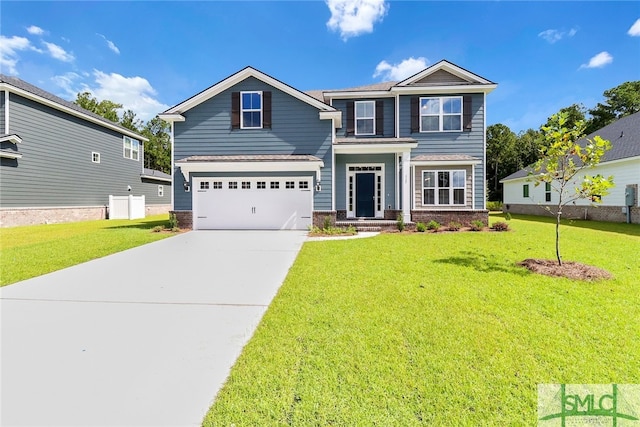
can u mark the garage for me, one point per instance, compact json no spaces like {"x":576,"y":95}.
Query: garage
{"x":266,"y":203}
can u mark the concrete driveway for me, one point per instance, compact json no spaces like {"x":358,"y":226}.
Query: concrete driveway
{"x":145,"y":337}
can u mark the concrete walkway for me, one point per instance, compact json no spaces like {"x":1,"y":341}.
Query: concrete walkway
{"x":145,"y":337}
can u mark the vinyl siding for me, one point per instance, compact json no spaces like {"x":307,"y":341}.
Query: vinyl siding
{"x":56,"y":167}
{"x":388,"y":117}
{"x":389,"y":176}
{"x":443,"y":143}
{"x":2,"y":129}
{"x":296,"y":129}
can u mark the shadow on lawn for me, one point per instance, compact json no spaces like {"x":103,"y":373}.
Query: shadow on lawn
{"x":483,"y":263}
{"x":147,"y":225}
{"x":611,"y":227}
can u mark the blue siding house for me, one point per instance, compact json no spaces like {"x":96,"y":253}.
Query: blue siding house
{"x":60,"y":162}
{"x":252,"y":152}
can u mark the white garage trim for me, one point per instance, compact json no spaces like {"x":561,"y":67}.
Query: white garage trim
{"x":256,"y":166}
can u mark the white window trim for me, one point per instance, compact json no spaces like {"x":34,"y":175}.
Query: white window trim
{"x":242,"y":110}
{"x":95,"y":157}
{"x":379,"y":201}
{"x":441,"y":114}
{"x":451,"y":188}
{"x":136,"y":151}
{"x":356,"y":118}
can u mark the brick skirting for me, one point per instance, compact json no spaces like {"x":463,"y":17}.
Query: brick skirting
{"x":185,"y":219}
{"x":50,"y":215}
{"x":593,"y":213}
{"x":319,"y":216}
{"x":445,"y":217}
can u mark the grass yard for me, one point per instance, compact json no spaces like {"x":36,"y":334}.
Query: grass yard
{"x":31,"y":251}
{"x":438,"y":329}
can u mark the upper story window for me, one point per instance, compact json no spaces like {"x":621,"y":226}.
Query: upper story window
{"x":131,"y":148}
{"x":441,"y":114}
{"x":251,"y":110}
{"x":365,"y":117}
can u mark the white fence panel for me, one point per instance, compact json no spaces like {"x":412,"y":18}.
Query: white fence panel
{"x":126,"y":207}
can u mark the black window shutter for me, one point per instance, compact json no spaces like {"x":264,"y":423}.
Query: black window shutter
{"x":266,"y":109}
{"x":379,"y":117}
{"x":466,"y":113}
{"x":350,"y":118}
{"x":415,"y":114}
{"x":235,"y":110}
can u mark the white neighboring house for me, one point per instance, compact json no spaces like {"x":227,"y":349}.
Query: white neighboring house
{"x":622,"y":161}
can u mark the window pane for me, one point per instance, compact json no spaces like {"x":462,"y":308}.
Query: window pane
{"x":458,"y":179}
{"x":443,"y":196}
{"x":429,"y":179}
{"x":443,"y":179}
{"x":451,"y":106}
{"x":251,"y":119}
{"x":428,"y":197}
{"x":430,"y":106}
{"x":451,"y":123}
{"x":430,"y":123}
{"x":458,"y":196}
{"x":364,"y":126}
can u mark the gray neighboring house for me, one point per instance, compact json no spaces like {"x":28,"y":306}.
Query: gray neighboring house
{"x":60,"y":162}
{"x":253,"y":152}
{"x":622,"y":162}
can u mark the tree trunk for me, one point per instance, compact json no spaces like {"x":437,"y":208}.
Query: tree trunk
{"x":558,"y":237}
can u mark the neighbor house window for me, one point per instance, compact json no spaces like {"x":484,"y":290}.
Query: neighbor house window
{"x":443,"y":187}
{"x":131,"y":148}
{"x":95,"y":157}
{"x":547,"y":191}
{"x":525,"y":190}
{"x":441,"y":114}
{"x":251,"y":110}
{"x":160,"y":191}
{"x":365,"y":117}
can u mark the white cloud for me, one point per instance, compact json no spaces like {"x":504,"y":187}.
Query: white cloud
{"x":553,"y":35}
{"x":9,"y":48}
{"x":110,"y":44}
{"x":599,"y":61}
{"x":68,"y":82}
{"x":59,"y":53}
{"x":355,"y":17}
{"x":635,"y":29}
{"x":406,"y":68}
{"x":35,"y":30}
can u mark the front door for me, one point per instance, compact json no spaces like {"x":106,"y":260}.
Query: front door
{"x":365,"y":194}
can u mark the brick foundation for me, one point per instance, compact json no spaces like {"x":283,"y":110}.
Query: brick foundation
{"x":185,"y":219}
{"x":319,"y":216}
{"x":445,"y":217}
{"x":52,"y":215}
{"x":593,"y":213}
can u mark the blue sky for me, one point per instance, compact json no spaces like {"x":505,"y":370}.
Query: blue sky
{"x":152,"y":55}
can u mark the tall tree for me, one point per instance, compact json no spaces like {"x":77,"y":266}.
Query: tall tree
{"x":564,"y":159}
{"x":105,"y":108}
{"x":501,"y":146}
{"x":157,"y":151}
{"x":621,"y":101}
{"x":527,"y":148}
{"x":130,"y":121}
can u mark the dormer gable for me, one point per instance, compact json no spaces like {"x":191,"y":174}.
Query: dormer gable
{"x":444,"y":73}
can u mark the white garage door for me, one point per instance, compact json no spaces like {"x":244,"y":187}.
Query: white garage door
{"x":252,"y":203}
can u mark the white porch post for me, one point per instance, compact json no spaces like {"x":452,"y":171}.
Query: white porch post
{"x":406,"y":186}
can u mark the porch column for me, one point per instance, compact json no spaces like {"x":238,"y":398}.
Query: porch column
{"x":406,"y":186}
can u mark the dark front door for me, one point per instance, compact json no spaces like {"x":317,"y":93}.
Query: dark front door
{"x":365,"y":194}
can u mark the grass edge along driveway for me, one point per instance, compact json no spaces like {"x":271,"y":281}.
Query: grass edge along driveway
{"x":437,"y":329}
{"x":31,"y":251}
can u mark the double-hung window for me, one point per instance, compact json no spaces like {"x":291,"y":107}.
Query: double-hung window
{"x":443,"y":187}
{"x":131,"y":148}
{"x":251,"y":110}
{"x":441,"y":114}
{"x":365,"y":117}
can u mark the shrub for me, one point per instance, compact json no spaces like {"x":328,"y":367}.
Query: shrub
{"x":421,"y":227}
{"x":500,"y":226}
{"x":400,"y":222}
{"x":508,"y":216}
{"x":173,"y":221}
{"x":327,"y":223}
{"x":433,"y":225}
{"x":454,"y":226}
{"x":494,"y":206}
{"x":157,"y":229}
{"x":476,"y":225}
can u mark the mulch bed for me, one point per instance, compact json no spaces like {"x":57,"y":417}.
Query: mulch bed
{"x":568,"y":269}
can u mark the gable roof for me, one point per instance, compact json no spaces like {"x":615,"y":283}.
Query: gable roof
{"x":463,"y":75}
{"x":232,"y":80}
{"x":624,"y":135}
{"x":27,"y":90}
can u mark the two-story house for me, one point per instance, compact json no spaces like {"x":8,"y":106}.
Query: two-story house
{"x":254,"y":152}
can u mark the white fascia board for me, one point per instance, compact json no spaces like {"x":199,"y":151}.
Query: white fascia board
{"x":13,"y":138}
{"x":448,"y":67}
{"x":360,"y":94}
{"x":65,"y":109}
{"x":438,"y":90}
{"x":188,"y":167}
{"x":170,"y":118}
{"x":374,"y":148}
{"x":10,"y":155}
{"x":445,"y":162}
{"x":237,"y":78}
{"x":335,"y":115}
{"x":527,"y":178}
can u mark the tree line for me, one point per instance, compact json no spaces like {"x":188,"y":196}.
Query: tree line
{"x":508,"y":152}
{"x":157,"y":151}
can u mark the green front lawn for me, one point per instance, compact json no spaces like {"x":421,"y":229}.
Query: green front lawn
{"x":31,"y":251}
{"x":438,"y":329}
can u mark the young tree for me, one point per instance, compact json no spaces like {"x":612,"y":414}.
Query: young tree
{"x":566,"y":157}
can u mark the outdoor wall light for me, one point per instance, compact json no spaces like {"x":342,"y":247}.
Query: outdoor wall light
{"x":318,"y":187}
{"x":128,"y":188}
{"x":185,"y":185}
